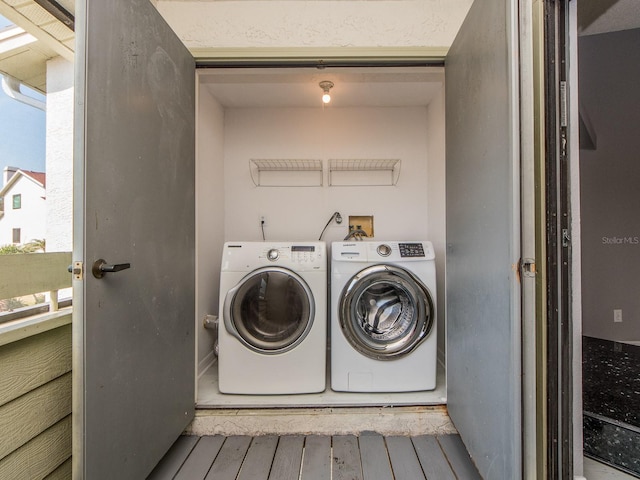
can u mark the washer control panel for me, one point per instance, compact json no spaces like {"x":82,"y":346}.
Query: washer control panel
{"x":411,"y":250}
{"x":384,"y":251}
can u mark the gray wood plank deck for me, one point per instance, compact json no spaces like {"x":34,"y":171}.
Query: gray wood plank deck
{"x":288,"y":457}
{"x":316,"y":463}
{"x":257,"y":463}
{"x":406,"y":465}
{"x":434,"y":462}
{"x":229,"y":460}
{"x":368,"y":457}
{"x":204,"y":453}
{"x":173,"y":460}
{"x":375,"y":458}
{"x":346,"y":458}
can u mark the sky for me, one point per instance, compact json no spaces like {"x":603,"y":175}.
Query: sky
{"x":22,"y":131}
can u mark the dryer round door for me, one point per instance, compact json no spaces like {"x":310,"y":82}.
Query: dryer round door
{"x":270,"y":311}
{"x":386,"y":312}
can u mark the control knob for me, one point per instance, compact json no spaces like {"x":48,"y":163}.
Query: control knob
{"x":273,"y":254}
{"x":384,"y":250}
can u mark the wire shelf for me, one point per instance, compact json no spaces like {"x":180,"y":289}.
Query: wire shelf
{"x":290,"y":167}
{"x":364,"y":165}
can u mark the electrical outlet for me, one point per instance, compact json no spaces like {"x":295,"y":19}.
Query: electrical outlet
{"x":617,"y":315}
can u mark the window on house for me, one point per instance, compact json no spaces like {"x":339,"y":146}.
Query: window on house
{"x":16,"y":235}
{"x":17,"y":201}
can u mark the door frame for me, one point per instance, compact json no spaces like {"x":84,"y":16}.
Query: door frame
{"x":531,"y":271}
{"x":562,"y":329}
{"x":78,"y":346}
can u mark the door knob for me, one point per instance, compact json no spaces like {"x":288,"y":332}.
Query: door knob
{"x":100,"y":267}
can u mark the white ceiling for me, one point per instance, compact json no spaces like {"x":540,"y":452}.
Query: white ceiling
{"x":53,"y":38}
{"x":601,"y":16}
{"x":379,"y":87}
{"x":596,"y":16}
{"x":299,"y":87}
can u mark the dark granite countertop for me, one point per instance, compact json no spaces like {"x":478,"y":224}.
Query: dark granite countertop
{"x":611,"y":379}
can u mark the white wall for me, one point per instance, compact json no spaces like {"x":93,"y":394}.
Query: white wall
{"x":300,"y":213}
{"x":293,"y":24}
{"x":209,"y":215}
{"x":227,"y":196}
{"x":29,"y":218}
{"x":59,"y":155}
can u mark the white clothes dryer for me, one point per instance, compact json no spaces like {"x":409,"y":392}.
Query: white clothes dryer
{"x":272,"y":337}
{"x":383,"y":316}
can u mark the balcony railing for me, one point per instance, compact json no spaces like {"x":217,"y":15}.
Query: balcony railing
{"x":28,"y":275}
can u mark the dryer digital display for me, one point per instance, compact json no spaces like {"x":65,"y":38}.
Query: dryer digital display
{"x":300,"y":248}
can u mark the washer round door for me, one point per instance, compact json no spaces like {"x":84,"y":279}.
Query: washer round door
{"x":386,"y":312}
{"x":270,"y":311}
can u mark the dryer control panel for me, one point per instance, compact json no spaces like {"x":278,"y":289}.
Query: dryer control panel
{"x":305,"y":253}
{"x":299,"y":256}
{"x":296,"y":256}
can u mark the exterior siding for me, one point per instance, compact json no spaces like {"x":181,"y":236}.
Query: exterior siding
{"x":35,"y":373}
{"x":35,"y":405}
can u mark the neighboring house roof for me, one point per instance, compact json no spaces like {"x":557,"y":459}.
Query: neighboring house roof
{"x":39,"y":178}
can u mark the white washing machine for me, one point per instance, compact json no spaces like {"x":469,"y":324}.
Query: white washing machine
{"x":383,"y":316}
{"x":272,"y":337}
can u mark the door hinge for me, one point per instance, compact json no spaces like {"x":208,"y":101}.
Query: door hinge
{"x":566,"y":238}
{"x":528,"y":267}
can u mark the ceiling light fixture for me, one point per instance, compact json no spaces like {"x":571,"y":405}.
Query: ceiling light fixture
{"x":326,"y":85}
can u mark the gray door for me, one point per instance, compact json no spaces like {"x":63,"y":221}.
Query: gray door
{"x":483,"y":238}
{"x":134,"y":204}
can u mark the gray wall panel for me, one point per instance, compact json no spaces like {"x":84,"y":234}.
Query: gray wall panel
{"x":609,"y":174}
